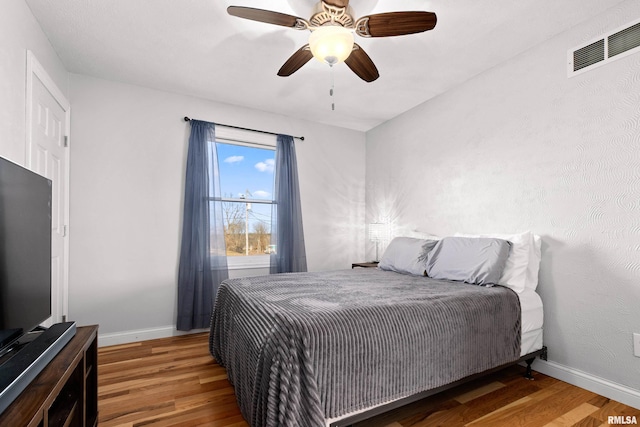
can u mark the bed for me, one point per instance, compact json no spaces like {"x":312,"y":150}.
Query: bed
{"x":330,"y":348}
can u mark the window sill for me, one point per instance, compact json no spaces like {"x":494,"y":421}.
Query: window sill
{"x":248,"y":262}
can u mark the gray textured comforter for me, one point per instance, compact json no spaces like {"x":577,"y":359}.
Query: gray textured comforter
{"x":302,"y":347}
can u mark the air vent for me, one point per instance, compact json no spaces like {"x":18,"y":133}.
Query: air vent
{"x":588,"y":55}
{"x":611,"y":46}
{"x":624,"y":40}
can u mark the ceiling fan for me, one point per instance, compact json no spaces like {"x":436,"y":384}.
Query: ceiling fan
{"x":332,"y":27}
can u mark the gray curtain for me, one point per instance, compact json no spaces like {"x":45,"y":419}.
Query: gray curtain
{"x":286,"y":224}
{"x":203,"y":261}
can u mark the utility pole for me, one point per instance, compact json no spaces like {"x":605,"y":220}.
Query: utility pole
{"x":246,"y":228}
{"x":247,"y":208}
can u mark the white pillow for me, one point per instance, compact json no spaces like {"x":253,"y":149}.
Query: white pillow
{"x":521,"y":270}
{"x":535,"y":256}
{"x":407,"y":255}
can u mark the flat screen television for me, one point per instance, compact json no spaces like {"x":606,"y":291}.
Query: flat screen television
{"x":25,"y":251}
{"x":25,"y":281}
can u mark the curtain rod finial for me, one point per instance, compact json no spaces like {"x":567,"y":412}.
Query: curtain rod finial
{"x":187,"y":119}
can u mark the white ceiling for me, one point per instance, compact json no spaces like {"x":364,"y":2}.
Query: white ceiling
{"x":194,"y":47}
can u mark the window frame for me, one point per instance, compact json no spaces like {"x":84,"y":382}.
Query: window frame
{"x":245,"y":138}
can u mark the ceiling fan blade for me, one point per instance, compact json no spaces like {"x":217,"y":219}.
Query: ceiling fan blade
{"x":268,"y":17}
{"x":296,"y":61}
{"x":395,"y":24}
{"x":361,"y":64}
{"x":337,"y":3}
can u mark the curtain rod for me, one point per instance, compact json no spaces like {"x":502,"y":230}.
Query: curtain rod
{"x":301,"y":138}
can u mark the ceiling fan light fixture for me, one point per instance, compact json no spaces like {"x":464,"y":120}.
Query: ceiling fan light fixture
{"x":331,"y":44}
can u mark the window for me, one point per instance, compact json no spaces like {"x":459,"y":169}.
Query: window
{"x":246,"y":185}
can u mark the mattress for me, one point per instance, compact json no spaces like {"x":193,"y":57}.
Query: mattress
{"x":531,"y":321}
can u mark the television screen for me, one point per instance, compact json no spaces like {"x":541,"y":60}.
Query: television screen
{"x":25,"y":251}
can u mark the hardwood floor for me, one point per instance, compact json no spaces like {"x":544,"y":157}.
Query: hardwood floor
{"x":175,"y":382}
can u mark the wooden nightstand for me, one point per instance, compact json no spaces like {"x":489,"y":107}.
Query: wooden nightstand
{"x":371,"y":264}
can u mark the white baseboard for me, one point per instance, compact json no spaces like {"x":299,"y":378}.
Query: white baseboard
{"x":126,"y":337}
{"x":606,"y":388}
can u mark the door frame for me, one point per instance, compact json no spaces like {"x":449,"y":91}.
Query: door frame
{"x":35,"y":70}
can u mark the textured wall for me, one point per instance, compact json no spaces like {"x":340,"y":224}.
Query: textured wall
{"x":523,"y":147}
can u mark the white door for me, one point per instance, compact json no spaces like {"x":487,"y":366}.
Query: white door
{"x":48,"y":156}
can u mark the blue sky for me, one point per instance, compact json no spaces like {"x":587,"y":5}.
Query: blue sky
{"x":245,"y":168}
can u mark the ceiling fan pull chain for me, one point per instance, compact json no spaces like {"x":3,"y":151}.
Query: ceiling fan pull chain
{"x":333,"y":105}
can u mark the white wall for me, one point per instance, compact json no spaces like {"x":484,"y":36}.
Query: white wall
{"x":128,"y":153}
{"x":20,"y":32}
{"x":523,"y":147}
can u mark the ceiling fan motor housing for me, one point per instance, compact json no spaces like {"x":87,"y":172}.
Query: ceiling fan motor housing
{"x":324,"y":13}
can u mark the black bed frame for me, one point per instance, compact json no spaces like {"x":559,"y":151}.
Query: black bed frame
{"x":348,"y":421}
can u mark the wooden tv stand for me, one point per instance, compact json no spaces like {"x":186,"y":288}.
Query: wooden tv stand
{"x":65,"y":393}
